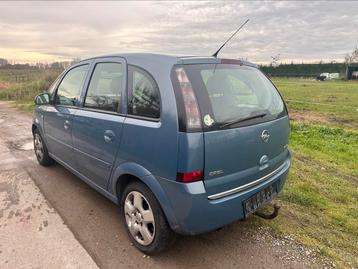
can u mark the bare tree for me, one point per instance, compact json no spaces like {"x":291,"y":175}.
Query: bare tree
{"x":352,"y":57}
{"x":275,"y":60}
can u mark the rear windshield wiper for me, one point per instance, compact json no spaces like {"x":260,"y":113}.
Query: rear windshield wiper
{"x":244,"y":119}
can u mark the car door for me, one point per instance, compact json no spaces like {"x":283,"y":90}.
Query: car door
{"x":97,"y":125}
{"x":58,"y":118}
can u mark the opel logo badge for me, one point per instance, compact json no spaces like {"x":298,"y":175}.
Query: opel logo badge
{"x":265,"y":136}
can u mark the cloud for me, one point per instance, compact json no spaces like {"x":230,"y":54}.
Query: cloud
{"x":63,"y":30}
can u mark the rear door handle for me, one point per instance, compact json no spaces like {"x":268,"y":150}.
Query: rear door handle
{"x":66,"y":125}
{"x":109,"y":136}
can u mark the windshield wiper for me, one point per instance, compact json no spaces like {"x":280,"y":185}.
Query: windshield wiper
{"x":244,"y":119}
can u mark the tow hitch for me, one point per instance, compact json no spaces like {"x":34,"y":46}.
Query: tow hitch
{"x":273,"y":215}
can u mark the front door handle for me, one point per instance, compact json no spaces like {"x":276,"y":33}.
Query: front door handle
{"x":66,"y":125}
{"x":109,"y":136}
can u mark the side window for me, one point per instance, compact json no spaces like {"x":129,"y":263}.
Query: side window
{"x":69,"y":90}
{"x":105,"y":89}
{"x":143,"y":94}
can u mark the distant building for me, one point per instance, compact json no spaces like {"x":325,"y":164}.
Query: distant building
{"x":352,"y":71}
{"x":355,"y":75}
{"x":328,"y":76}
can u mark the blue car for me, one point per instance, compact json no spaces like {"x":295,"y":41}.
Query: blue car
{"x":184,"y":145}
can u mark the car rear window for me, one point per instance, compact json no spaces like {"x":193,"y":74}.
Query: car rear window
{"x":229,"y":93}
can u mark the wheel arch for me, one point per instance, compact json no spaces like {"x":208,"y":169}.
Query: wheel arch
{"x":128,"y":172}
{"x":34,"y":127}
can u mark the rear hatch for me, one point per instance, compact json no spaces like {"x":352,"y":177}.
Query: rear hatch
{"x":244,"y":123}
{"x":238,"y":156}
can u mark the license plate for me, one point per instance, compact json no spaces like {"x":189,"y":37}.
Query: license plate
{"x":258,"y":199}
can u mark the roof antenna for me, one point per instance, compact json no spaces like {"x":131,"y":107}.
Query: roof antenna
{"x":242,"y":25}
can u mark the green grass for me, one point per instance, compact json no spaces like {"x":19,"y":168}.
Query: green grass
{"x":337,"y":100}
{"x":21,"y":85}
{"x":334,"y":147}
{"x":21,"y":75}
{"x":320,"y":198}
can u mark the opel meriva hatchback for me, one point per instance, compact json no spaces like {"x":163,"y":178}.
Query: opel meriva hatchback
{"x":182,"y":144}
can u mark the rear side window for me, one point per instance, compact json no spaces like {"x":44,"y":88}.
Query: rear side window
{"x":105,"y":89}
{"x":69,"y":90}
{"x":143,"y":94}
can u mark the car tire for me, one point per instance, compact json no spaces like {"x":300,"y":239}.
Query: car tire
{"x":40,"y":149}
{"x":144,"y":220}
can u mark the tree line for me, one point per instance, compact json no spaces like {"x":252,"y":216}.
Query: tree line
{"x":5,"y":64}
{"x":303,"y":70}
{"x":310,"y":70}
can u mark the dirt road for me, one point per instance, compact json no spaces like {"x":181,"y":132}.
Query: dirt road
{"x":32,"y":233}
{"x":95,"y":221}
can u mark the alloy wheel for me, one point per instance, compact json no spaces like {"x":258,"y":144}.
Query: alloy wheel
{"x":38,"y":146}
{"x":139,"y":218}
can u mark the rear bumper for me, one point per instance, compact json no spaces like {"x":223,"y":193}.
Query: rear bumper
{"x":195,"y":213}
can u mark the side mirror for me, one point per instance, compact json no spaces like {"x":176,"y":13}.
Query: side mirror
{"x":42,"y":99}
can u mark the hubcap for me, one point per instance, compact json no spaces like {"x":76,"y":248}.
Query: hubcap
{"x":38,"y":146}
{"x":139,"y":218}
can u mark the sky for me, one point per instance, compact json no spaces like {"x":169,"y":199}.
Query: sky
{"x":60,"y":31}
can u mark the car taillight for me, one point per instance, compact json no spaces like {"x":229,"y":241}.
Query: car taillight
{"x":190,"y":177}
{"x":190,"y":103}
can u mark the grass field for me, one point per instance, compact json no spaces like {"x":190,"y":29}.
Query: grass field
{"x":22,"y":85}
{"x":320,"y":199}
{"x":334,"y":102}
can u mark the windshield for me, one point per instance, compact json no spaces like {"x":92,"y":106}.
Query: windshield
{"x":231,"y":94}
